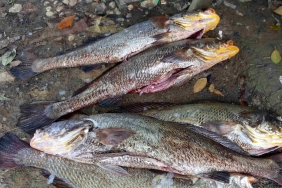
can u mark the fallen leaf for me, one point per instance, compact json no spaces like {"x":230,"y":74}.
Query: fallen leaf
{"x":278,"y":11}
{"x":275,"y":27}
{"x":211,"y":88}
{"x":66,"y":22}
{"x":8,"y":56}
{"x":6,"y":77}
{"x":275,"y":57}
{"x":2,"y":98}
{"x":200,"y":85}
{"x":217,"y":92}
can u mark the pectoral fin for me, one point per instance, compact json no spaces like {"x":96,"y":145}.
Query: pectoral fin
{"x":114,"y":169}
{"x":178,"y":56}
{"x":221,"y":176}
{"x":113,"y":136}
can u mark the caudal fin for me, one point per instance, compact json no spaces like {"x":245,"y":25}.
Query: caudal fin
{"x":278,"y":159}
{"x":24,"y":70}
{"x":10,"y":145}
{"x":33,"y":117}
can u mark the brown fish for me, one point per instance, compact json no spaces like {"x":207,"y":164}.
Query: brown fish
{"x":257,"y":132}
{"x":15,"y":153}
{"x":133,"y":140}
{"x":153,"y":70}
{"x":125,"y":43}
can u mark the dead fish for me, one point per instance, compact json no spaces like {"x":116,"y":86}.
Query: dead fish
{"x":15,"y":153}
{"x":153,"y":70}
{"x":132,"y":140}
{"x":257,"y":132}
{"x":125,"y":43}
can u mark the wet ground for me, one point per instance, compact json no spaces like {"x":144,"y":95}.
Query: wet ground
{"x":250,"y":75}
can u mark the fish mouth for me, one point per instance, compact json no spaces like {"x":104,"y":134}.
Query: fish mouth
{"x":61,"y":137}
{"x":263,"y":135}
{"x":207,"y":20}
{"x":216,"y":52}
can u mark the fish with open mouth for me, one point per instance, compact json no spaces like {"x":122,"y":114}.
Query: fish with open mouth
{"x":120,"y":46}
{"x":257,"y":132}
{"x":15,"y":153}
{"x":132,"y":140}
{"x":153,"y":70}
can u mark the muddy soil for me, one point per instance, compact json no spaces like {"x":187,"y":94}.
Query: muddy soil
{"x":250,"y":75}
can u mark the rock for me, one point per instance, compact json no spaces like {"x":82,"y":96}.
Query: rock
{"x":62,"y":92}
{"x":89,"y":1}
{"x":5,"y":77}
{"x":59,"y":8}
{"x":149,"y":3}
{"x":71,"y":37}
{"x":99,"y":8}
{"x":49,"y":8}
{"x":49,"y":14}
{"x":130,"y":7}
{"x":129,"y":15}
{"x":72,"y":2}
{"x":116,"y":11}
{"x":16,"y":8}
{"x":112,"y":5}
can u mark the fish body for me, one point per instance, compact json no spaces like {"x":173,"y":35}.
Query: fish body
{"x":125,"y":43}
{"x":153,"y":70}
{"x":257,"y":132}
{"x":16,"y":153}
{"x":132,"y":140}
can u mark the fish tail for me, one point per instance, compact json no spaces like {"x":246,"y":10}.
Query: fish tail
{"x":24,"y":70}
{"x":10,"y":145}
{"x":33,"y":117}
{"x":278,"y":159}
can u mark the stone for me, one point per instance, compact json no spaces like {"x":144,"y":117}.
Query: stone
{"x":112,"y":5}
{"x":16,"y":8}
{"x":49,"y":14}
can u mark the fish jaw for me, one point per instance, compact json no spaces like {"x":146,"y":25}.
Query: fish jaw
{"x":61,"y":137}
{"x":216,"y":53}
{"x":206,"y":20}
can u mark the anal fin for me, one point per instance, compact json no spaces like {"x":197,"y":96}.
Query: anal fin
{"x":221,"y":176}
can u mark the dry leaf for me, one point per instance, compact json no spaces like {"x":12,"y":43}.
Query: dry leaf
{"x":275,"y":57}
{"x":211,"y":88}
{"x":6,"y":77}
{"x":66,"y":22}
{"x":217,"y":92}
{"x":200,"y":85}
{"x":275,"y":27}
{"x":278,"y":11}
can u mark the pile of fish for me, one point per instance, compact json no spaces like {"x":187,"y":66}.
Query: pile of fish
{"x":166,"y":145}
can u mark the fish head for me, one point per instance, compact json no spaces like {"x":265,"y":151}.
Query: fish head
{"x":206,"y":20}
{"x":265,"y":129}
{"x":211,"y":51}
{"x":61,"y":137}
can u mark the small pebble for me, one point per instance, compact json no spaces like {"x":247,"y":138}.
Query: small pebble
{"x":72,"y":2}
{"x":89,"y":1}
{"x":128,"y":15}
{"x":59,"y":8}
{"x":120,"y":19}
{"x":66,"y":2}
{"x":117,"y":11}
{"x":130,"y":7}
{"x":16,"y":8}
{"x":87,"y":80}
{"x":62,"y":92}
{"x":49,"y":14}
{"x":46,"y":3}
{"x":4,"y":119}
{"x":48,"y":9}
{"x":71,"y":37}
{"x":112,"y":5}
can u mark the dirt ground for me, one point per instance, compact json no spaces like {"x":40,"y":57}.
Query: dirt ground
{"x":250,"y":72}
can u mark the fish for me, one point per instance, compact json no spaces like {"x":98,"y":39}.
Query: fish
{"x":114,"y":140}
{"x":257,"y":132}
{"x":153,"y":70}
{"x":120,"y":46}
{"x":15,"y":153}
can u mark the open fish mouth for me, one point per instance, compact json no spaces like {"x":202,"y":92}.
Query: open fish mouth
{"x":262,"y":135}
{"x":61,"y":137}
{"x":207,"y":20}
{"x":216,"y":51}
